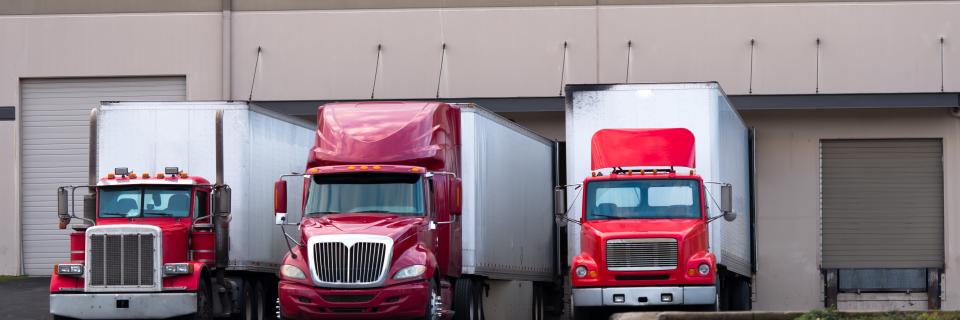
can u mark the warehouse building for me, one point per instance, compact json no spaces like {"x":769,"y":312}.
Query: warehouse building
{"x":855,"y":104}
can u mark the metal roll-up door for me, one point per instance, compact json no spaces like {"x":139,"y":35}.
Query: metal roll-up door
{"x":55,"y":117}
{"x":882,"y":203}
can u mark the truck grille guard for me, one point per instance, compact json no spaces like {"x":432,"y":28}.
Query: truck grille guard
{"x":641,"y":254}
{"x":349,"y":261}
{"x":123,"y":258}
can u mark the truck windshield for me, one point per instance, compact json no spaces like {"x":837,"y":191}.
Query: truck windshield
{"x":393,"y":193}
{"x":133,"y":202}
{"x":643,"y":199}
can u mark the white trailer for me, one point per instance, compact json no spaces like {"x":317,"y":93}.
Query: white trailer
{"x":722,"y":149}
{"x":508,"y":226}
{"x":257,"y":145}
{"x":507,"y":199}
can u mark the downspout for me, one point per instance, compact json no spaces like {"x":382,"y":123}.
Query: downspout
{"x":226,"y":51}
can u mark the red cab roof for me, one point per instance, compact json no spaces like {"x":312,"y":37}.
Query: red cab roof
{"x":425,"y":134}
{"x":642,"y":148}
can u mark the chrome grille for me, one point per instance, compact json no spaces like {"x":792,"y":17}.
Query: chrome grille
{"x":121,"y":260}
{"x":647,"y":254}
{"x":361,"y":263}
{"x":349,"y":260}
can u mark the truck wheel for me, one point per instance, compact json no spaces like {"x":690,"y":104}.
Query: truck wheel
{"x":466,"y":304}
{"x":264,"y":301}
{"x":204,"y":301}
{"x":249,"y":307}
{"x":433,"y":302}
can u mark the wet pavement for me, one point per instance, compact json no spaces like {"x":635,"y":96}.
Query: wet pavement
{"x":25,"y":299}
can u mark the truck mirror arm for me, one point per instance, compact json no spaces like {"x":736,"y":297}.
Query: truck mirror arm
{"x":72,"y":213}
{"x":564,"y":215}
{"x":287,"y":238}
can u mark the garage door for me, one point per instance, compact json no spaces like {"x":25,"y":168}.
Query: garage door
{"x":882,"y":204}
{"x":55,"y":116}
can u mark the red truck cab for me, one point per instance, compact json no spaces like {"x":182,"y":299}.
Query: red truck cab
{"x":644,"y":230}
{"x":144,"y":256}
{"x":379,"y":233}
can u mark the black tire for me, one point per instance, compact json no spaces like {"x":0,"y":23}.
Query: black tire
{"x":431,"y":312}
{"x":56,"y":317}
{"x":468,"y":299}
{"x":741,"y":299}
{"x":266,"y":301}
{"x":248,"y":305}
{"x":204,"y":301}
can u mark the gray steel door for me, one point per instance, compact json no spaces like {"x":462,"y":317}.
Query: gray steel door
{"x":55,"y":117}
{"x":882,"y":203}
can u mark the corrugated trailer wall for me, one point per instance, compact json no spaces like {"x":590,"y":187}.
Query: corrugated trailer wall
{"x":507,"y":198}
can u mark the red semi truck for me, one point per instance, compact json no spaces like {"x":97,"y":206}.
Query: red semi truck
{"x":655,"y":166}
{"x":161,"y":242}
{"x":417,"y":209}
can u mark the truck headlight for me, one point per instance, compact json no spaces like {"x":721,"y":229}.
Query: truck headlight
{"x":581,"y":271}
{"x":69,"y":269}
{"x":291,"y":272}
{"x":703,"y":269}
{"x":410,"y":272}
{"x":171,"y":269}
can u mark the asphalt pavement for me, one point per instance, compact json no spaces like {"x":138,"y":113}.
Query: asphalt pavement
{"x":25,"y":299}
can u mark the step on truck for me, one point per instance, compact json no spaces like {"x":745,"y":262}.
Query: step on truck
{"x":420,"y":210}
{"x":157,"y":238}
{"x":651,"y":169}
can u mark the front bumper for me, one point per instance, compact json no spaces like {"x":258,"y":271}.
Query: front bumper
{"x":123,"y":305}
{"x":406,"y":300}
{"x":644,"y":296}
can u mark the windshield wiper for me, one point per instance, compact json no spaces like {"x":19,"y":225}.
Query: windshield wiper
{"x":158,"y":213}
{"x":113,"y":214}
{"x":323,"y":212}
{"x":609,"y":217}
{"x":372,"y":211}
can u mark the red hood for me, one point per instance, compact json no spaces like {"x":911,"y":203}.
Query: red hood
{"x":394,"y":226}
{"x":643,"y":228}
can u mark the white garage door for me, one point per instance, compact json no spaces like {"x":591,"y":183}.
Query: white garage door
{"x":55,"y":118}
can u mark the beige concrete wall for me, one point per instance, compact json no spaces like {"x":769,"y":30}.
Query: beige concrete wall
{"x":95,"y":46}
{"x":9,"y":242}
{"x":788,"y":220}
{"x":870,"y":47}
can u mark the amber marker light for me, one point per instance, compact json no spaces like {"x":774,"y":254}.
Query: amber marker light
{"x":160,"y":175}
{"x":111,"y":175}
{"x":132,"y":175}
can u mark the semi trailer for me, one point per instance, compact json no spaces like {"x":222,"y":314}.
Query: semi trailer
{"x":177,"y":216}
{"x":650,"y":169}
{"x":420,"y":210}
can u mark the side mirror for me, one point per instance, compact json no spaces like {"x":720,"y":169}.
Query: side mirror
{"x":280,"y":197}
{"x":62,"y":203}
{"x":456,"y":206}
{"x":559,"y":201}
{"x":223,"y":200}
{"x":726,"y":202}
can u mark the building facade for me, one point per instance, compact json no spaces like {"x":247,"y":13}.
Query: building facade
{"x":828,"y":86}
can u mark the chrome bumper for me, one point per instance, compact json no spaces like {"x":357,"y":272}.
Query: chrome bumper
{"x":123,"y":305}
{"x":644,"y":296}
